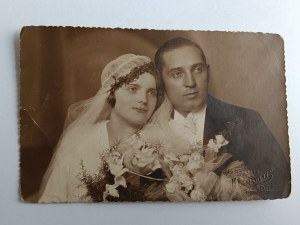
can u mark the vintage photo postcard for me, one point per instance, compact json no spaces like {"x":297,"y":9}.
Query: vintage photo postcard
{"x":114,"y":115}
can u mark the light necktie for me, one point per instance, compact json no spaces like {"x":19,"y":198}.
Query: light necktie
{"x":191,"y":123}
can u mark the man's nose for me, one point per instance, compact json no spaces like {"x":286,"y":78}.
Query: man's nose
{"x":189,"y":80}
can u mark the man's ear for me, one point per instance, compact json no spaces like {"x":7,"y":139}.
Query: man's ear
{"x":208,"y":75}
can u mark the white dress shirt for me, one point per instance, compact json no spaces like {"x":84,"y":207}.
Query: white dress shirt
{"x":190,"y":127}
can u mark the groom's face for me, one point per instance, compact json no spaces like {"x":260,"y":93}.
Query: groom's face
{"x":185,"y":76}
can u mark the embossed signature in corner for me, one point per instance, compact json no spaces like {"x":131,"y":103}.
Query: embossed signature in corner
{"x":263,"y":181}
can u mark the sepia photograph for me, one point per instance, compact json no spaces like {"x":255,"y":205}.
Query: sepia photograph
{"x":128,"y":115}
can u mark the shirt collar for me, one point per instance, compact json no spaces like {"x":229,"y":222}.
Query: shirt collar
{"x":196,"y":115}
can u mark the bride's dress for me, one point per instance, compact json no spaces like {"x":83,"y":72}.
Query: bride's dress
{"x":61,"y":182}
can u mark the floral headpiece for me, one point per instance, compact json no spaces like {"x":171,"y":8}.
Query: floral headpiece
{"x":133,"y":75}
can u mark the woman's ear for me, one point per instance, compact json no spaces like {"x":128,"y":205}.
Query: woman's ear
{"x":111,"y":100}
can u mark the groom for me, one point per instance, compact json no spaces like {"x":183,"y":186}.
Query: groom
{"x":182,"y":65}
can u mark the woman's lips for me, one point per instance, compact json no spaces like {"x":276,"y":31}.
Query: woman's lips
{"x":140,"y":110}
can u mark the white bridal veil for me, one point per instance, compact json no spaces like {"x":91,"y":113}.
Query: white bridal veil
{"x":84,"y":115}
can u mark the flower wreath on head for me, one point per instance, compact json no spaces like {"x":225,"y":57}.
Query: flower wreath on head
{"x":133,"y":75}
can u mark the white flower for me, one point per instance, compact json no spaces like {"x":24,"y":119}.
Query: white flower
{"x":177,"y":170}
{"x":198,"y":195}
{"x":171,"y":187}
{"x":181,"y":178}
{"x":186,"y":182}
{"x":115,"y":165}
{"x":217,"y":143}
{"x":195,"y":162}
{"x":221,"y":141}
{"x":146,"y":160}
{"x":110,"y":191}
{"x":156,"y":165}
{"x":120,"y":181}
{"x":170,"y":157}
{"x":184,"y":158}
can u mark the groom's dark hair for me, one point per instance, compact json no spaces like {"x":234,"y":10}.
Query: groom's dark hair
{"x":171,"y":44}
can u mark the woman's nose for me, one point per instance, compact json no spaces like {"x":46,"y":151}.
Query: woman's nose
{"x":189,"y":80}
{"x":142,"y":98}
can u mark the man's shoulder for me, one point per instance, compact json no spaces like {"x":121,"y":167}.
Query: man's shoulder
{"x":219,"y":108}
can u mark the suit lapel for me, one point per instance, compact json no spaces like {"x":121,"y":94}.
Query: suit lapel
{"x":214,"y":121}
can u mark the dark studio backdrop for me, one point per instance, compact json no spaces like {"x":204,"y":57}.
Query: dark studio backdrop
{"x":60,"y":66}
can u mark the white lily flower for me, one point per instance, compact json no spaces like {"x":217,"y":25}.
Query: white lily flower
{"x":120,"y":181}
{"x":110,"y":191}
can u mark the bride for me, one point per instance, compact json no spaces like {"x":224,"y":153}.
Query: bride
{"x":123,"y":105}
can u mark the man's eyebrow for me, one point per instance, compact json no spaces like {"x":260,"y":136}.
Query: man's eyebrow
{"x":199,"y":64}
{"x":180,"y":68}
{"x":174,"y":69}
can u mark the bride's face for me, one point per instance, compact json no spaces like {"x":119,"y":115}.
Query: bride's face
{"x":136,"y":101}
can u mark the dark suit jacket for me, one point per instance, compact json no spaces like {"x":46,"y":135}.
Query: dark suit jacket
{"x":252,"y":142}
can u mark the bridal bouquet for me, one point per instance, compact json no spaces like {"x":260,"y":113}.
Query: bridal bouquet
{"x":144,"y":172}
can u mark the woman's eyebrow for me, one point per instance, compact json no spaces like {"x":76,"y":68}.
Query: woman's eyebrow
{"x":133,"y":84}
{"x":139,"y":86}
{"x":151,"y":89}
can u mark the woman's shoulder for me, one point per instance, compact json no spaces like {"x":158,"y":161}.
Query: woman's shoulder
{"x":90,"y":140}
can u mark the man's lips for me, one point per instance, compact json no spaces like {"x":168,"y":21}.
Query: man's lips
{"x":140,"y":109}
{"x":191,"y":93}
